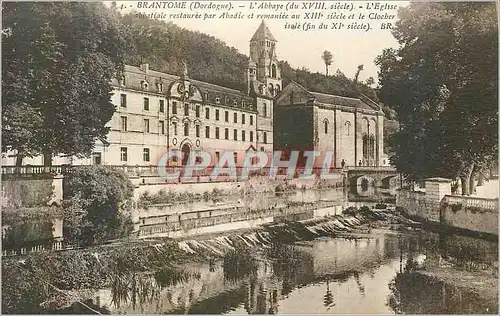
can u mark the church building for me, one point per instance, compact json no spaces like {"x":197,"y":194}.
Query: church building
{"x":158,"y":112}
{"x":345,"y":131}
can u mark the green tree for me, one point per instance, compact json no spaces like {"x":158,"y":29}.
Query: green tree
{"x":58,"y":61}
{"x":442,"y":83}
{"x":100,"y":205}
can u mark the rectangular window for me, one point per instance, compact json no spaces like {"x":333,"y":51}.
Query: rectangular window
{"x":146,"y":126}
{"x":207,"y":131}
{"x":217,"y":156}
{"x":96,"y":158}
{"x":174,"y":124}
{"x":124,"y":123}
{"x":226,"y":133}
{"x":243,"y":136}
{"x":146,"y":104}
{"x":251,"y":119}
{"x":226,"y":116}
{"x":186,"y":129}
{"x":186,"y":109}
{"x":235,"y":158}
{"x":235,"y":134}
{"x":162,"y":127}
{"x":251,"y":136}
{"x":197,"y":111}
{"x":242,"y":118}
{"x":235,"y":117}
{"x":145,"y":154}
{"x":162,"y":106}
{"x":217,"y":132}
{"x":197,"y":130}
{"x":174,"y":107}
{"x":123,"y":100}
{"x":216,"y":115}
{"x":207,"y":113}
{"x":123,"y":153}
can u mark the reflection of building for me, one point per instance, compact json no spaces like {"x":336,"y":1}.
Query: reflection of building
{"x":352,"y":129}
{"x":263,"y":292}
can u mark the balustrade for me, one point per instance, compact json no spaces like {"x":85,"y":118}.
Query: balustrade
{"x":485,"y":203}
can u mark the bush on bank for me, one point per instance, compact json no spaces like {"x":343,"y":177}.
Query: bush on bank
{"x":28,"y":286}
{"x":98,"y":205}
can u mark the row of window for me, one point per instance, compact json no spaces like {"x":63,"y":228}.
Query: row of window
{"x":146,"y":155}
{"x":347,"y":127}
{"x":123,"y":103}
{"x":146,"y":129}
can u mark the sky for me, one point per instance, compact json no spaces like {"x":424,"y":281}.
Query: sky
{"x":300,"y":48}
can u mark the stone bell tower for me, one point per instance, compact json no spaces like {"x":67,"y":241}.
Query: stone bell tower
{"x":264,"y":61}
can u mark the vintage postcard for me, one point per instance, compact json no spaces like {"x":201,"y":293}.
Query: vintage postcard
{"x":249,"y":157}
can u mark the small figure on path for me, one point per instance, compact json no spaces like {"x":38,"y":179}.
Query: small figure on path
{"x":342,"y":163}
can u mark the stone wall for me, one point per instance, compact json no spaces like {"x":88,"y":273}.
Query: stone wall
{"x":180,"y":225}
{"x":437,"y":204}
{"x":462,"y":213}
{"x":31,"y":192}
{"x":153,"y":185}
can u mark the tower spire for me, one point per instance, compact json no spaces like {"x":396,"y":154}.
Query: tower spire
{"x":263,"y":33}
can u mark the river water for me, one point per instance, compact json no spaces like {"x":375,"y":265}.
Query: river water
{"x":383,"y":272}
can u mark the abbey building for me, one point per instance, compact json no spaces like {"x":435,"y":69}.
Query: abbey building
{"x":158,"y":112}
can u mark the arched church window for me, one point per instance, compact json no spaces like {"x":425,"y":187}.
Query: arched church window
{"x":271,"y":89}
{"x":348,"y":128}
{"x":372,"y":146}
{"x":186,"y":129}
{"x":365,"y":146}
{"x":273,"y":71}
{"x":325,"y":123}
{"x":278,"y":89}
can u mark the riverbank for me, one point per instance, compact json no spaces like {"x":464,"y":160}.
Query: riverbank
{"x":159,"y":263}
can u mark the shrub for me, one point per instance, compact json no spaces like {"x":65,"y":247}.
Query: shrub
{"x":100,"y":205}
{"x":456,"y":207}
{"x":351,"y":210}
{"x":380,"y":206}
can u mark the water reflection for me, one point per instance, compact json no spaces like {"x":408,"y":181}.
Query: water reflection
{"x":385,"y":273}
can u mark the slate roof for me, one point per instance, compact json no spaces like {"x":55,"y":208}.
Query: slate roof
{"x":339,"y":100}
{"x":134,"y":75}
{"x":360,"y":103}
{"x":263,"y":32}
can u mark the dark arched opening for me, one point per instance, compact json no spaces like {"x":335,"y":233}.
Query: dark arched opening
{"x":185,"y":154}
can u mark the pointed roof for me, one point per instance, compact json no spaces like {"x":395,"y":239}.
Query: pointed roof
{"x":263,"y":33}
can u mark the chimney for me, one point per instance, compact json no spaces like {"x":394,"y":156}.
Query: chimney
{"x":144,"y":67}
